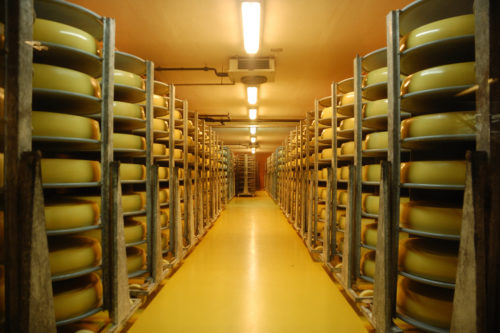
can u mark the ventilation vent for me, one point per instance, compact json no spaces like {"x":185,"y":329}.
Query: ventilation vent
{"x":253,"y":63}
{"x":251,"y":70}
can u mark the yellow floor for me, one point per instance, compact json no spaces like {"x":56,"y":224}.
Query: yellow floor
{"x":251,"y":273}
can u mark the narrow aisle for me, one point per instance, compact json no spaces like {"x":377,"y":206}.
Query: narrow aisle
{"x":251,"y":273}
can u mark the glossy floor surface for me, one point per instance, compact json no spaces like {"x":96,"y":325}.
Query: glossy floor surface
{"x":251,"y":273}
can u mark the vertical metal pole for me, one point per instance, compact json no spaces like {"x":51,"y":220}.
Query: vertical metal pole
{"x":173,"y":223}
{"x":357,"y":185}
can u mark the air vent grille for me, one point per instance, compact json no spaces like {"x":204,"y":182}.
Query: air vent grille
{"x":253,"y":63}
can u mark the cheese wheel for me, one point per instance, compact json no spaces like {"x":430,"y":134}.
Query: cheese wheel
{"x":159,"y":149}
{"x":371,"y":172}
{"x":322,"y":193}
{"x":191,"y":159}
{"x":128,"y":110}
{"x":165,"y":237}
{"x":178,"y":154}
{"x":375,"y":108}
{"x":163,"y":195}
{"x":163,"y":173}
{"x":449,"y":123}
{"x":434,"y":172}
{"x":347,"y":124}
{"x":70,"y":254}
{"x":327,"y":133}
{"x":327,"y":113}
{"x":370,"y":203}
{"x":159,"y":125}
{"x":135,"y":230}
{"x":429,"y":304}
{"x":64,"y":125}
{"x":450,"y":27}
{"x":429,"y":258}
{"x":342,"y":197}
{"x":322,"y":211}
{"x":376,"y":76}
{"x":347,"y":148}
{"x":130,"y":202}
{"x":339,"y":151}
{"x":68,"y":214}
{"x":59,"y":78}
{"x":431,"y":217}
{"x":63,"y":34}
{"x":60,"y":170}
{"x":164,"y":217}
{"x":76,"y":296}
{"x":341,"y":221}
{"x":458,"y":74}
{"x":128,"y":79}
{"x":347,"y":98}
{"x":368,"y":264}
{"x":129,"y":171}
{"x":344,"y":173}
{"x":136,"y":259}
{"x":159,"y":100}
{"x":376,"y":140}
{"x":369,"y":234}
{"x":178,"y":134}
{"x":128,"y":141}
{"x":327,"y":153}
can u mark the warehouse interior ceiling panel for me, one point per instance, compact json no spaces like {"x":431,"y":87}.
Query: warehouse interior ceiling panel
{"x":314,"y":43}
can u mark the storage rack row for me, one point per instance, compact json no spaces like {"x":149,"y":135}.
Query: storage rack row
{"x":246,"y":175}
{"x":365,"y":158}
{"x":272,"y":175}
{"x":149,"y":163}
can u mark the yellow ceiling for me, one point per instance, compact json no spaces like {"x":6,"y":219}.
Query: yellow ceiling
{"x":318,"y":38}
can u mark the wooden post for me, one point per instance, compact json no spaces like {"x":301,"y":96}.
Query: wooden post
{"x":350,"y":247}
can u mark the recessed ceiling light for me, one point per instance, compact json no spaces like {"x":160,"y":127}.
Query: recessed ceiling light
{"x":252,"y":95}
{"x":250,"y":13}
{"x":252,"y":114}
{"x":253,"y":150}
{"x":253,"y":130}
{"x":253,"y":139}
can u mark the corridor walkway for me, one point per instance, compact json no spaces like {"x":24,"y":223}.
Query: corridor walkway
{"x":251,"y":273}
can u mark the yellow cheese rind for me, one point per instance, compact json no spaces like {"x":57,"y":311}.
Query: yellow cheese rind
{"x":327,"y":153}
{"x":60,"y":78}
{"x":159,"y":149}
{"x":376,"y":76}
{"x":70,"y":254}
{"x":433,"y":172}
{"x":327,"y":113}
{"x":459,"y":74}
{"x":131,"y":202}
{"x":128,"y":79}
{"x":347,"y":124}
{"x":449,"y":123}
{"x":136,"y":259}
{"x":70,"y":214}
{"x":368,"y":264}
{"x":347,"y":148}
{"x":369,"y":234}
{"x":342,"y":197}
{"x":64,"y":125}
{"x":60,"y":170}
{"x":327,"y":133}
{"x":376,"y":140}
{"x":343,"y":173}
{"x":63,"y":34}
{"x":135,"y":230}
{"x":130,"y":171}
{"x":76,"y":296}
{"x":429,"y":258}
{"x":371,"y":172}
{"x":347,"y":98}
{"x":128,"y":110}
{"x":128,"y":141}
{"x":426,"y":303}
{"x":450,"y":27}
{"x":431,"y":217}
{"x":375,"y":108}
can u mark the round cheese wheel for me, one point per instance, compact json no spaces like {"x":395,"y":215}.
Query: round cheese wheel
{"x":433,"y":172}
{"x":159,"y":124}
{"x":136,"y":259}
{"x":341,"y":220}
{"x":68,"y":214}
{"x":344,"y":173}
{"x":446,"y":28}
{"x":76,"y":296}
{"x":368,"y":264}
{"x":376,"y":140}
{"x":59,"y":33}
{"x":347,"y":98}
{"x":135,"y":230}
{"x":429,"y":258}
{"x":60,"y":170}
{"x":458,"y":74}
{"x":327,"y":133}
{"x":439,"y":124}
{"x":159,"y":100}
{"x":128,"y":79}
{"x":431,"y":217}
{"x":163,"y":195}
{"x":165,"y":237}
{"x":375,"y":108}
{"x":159,"y":149}
{"x":70,"y":254}
{"x":342,"y":197}
{"x":177,"y":154}
{"x":128,"y":141}
{"x":322,"y":193}
{"x":128,"y":110}
{"x":369,"y":234}
{"x":64,"y":125}
{"x":370,"y":203}
{"x":347,"y":148}
{"x":164,"y":217}
{"x":130,"y":202}
{"x":371,"y":172}
{"x":129,"y":171}
{"x":426,"y":303}
{"x":376,"y":76}
{"x":163,"y":173}
{"x":327,"y":153}
{"x":347,"y":124}
{"x":60,"y":78}
{"x":327,"y":113}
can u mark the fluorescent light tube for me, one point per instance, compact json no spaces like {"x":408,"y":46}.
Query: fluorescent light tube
{"x":252,"y":95}
{"x":252,"y":114}
{"x":250,"y":13}
{"x":253,"y":130}
{"x":253,"y":150}
{"x":253,"y":139}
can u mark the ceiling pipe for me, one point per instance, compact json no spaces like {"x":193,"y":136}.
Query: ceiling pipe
{"x":205,"y":69}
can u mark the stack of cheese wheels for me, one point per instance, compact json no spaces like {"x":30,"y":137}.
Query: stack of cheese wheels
{"x":439,"y":124}
{"x":129,"y":171}
{"x":368,"y":263}
{"x":70,"y":254}
{"x":375,"y":108}
{"x":429,"y":258}
{"x":136,"y":259}
{"x":50,"y":124}
{"x":76,"y":296}
{"x":431,"y":217}
{"x":63,"y":34}
{"x":60,"y":170}
{"x":128,"y":110}
{"x":371,"y":173}
{"x":426,"y":303}
{"x":433,"y":172}
{"x":65,"y":213}
{"x":347,"y":148}
{"x":64,"y":79}
{"x":377,"y":140}
{"x":128,"y":141}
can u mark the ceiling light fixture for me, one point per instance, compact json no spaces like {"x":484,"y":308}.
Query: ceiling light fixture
{"x":250,"y":13}
{"x":253,"y":139}
{"x":253,"y":150}
{"x":252,"y":114}
{"x":252,"y":95}
{"x":253,"y":130}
